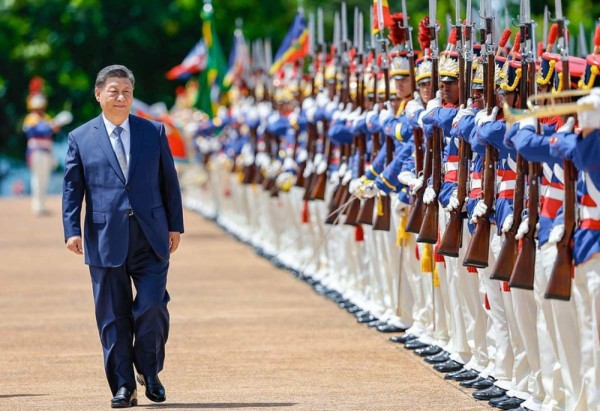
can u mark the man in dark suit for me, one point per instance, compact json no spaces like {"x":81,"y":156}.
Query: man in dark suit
{"x":123,"y":167}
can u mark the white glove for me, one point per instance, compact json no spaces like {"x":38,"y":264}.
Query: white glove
{"x":508,"y":223}
{"x":354,"y":115}
{"x":322,"y":167}
{"x":308,"y":170}
{"x":308,"y":102}
{"x":417,"y":184}
{"x":342,"y":169}
{"x":589,"y":118}
{"x":355,"y":185}
{"x":523,"y":228}
{"x":568,"y":126}
{"x":384,"y":115}
{"x":334,"y":178}
{"x":248,"y":160}
{"x":285,"y":180}
{"x":302,"y":156}
{"x":434,"y":102}
{"x":479,"y":211}
{"x":371,"y":114}
{"x":557,"y":234}
{"x":464,"y":111}
{"x":274,"y":168}
{"x":420,"y":119}
{"x":429,"y":195}
{"x":369,"y":190}
{"x":289,"y":163}
{"x":453,"y":203}
{"x":322,"y":100}
{"x":485,"y":118}
{"x":347,"y":178}
{"x":527,"y":122}
{"x":413,"y":106}
{"x":63,"y":118}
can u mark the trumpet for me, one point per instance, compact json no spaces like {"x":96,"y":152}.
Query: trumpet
{"x":551,"y":108}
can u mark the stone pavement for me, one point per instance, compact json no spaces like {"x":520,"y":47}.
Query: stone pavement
{"x":244,"y":335}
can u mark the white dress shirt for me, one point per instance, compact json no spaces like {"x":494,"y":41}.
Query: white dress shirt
{"x":125,"y":135}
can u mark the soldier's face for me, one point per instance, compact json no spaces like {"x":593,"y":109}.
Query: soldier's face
{"x":425,"y":91}
{"x":115,"y":98}
{"x":450,"y":91}
{"x":477,"y":97}
{"x":403,"y":87}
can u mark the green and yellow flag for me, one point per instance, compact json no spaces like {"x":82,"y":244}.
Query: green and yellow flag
{"x":211,"y":78}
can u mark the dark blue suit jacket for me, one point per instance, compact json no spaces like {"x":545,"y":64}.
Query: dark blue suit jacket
{"x":151,"y":190}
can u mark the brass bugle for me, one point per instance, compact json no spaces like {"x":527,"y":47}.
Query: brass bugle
{"x":552,"y":108}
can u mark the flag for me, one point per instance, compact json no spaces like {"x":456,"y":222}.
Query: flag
{"x":239,"y":59}
{"x":210,"y":81}
{"x":294,"y":46}
{"x":387,"y":18}
{"x":193,"y":63}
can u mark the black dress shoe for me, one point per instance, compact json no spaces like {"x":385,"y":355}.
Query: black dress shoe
{"x":443,"y":356}
{"x":510,"y":404}
{"x":448,"y":366}
{"x":489,"y":393}
{"x":469,"y":383}
{"x":452,"y":374}
{"x":482,"y":383}
{"x":390,"y":328}
{"x":354,"y":309}
{"x":124,"y":398}
{"x":375,"y":323}
{"x":154,"y":388}
{"x":464,"y":375}
{"x":403,"y":338}
{"x":428,"y":351}
{"x":495,"y":401}
{"x":415,"y":344}
{"x":366,"y":318}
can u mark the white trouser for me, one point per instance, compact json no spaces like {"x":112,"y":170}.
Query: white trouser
{"x":586,"y":292}
{"x":473,"y":310}
{"x":497,"y":299}
{"x":40,"y":164}
{"x":411,"y":269}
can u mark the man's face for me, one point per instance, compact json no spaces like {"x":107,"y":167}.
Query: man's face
{"x":477,"y":97}
{"x":425,"y":91}
{"x":115,"y":98}
{"x":403,"y":87}
{"x":450,"y":92}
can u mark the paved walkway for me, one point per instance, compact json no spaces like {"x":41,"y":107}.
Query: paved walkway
{"x":244,"y":335}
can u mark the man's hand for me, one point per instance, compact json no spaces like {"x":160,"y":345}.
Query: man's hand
{"x":174,"y":238}
{"x":74,"y":244}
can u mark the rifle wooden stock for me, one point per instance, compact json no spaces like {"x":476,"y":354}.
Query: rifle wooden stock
{"x":559,"y":284}
{"x":430,"y":226}
{"x":507,"y":257}
{"x":355,"y":208}
{"x":478,"y":252}
{"x":524,"y":271}
{"x":366,"y":212}
{"x":452,"y":240}
{"x":383,"y":218}
{"x":318,"y":191}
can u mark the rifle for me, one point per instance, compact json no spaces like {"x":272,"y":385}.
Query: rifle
{"x":559,"y":284}
{"x":384,"y":210}
{"x":505,"y":263}
{"x":452,"y":240}
{"x":479,"y":248}
{"x":428,"y":232}
{"x":366,"y":212}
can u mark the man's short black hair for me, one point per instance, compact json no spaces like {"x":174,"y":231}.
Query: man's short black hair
{"x":116,"y":70}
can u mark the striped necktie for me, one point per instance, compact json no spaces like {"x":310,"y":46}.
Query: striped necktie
{"x":120,"y":151}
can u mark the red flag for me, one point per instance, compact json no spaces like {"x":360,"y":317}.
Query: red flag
{"x":387,"y":18}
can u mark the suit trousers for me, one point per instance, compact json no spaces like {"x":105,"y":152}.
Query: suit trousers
{"x":132,"y":330}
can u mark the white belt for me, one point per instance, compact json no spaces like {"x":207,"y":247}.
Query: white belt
{"x":506,"y":185}
{"x":589,"y":213}
{"x":453,"y":166}
{"x":553,"y":192}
